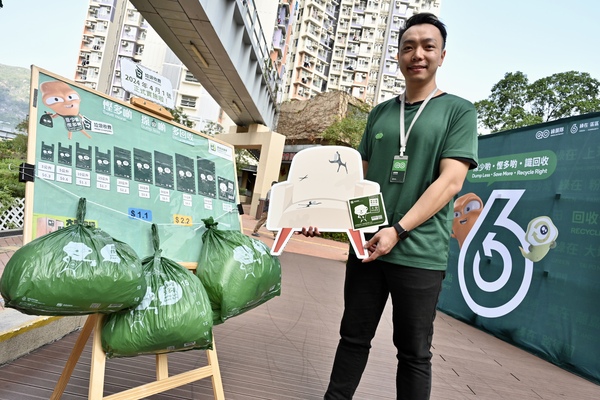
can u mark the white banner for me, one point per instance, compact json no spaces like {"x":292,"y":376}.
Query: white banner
{"x":145,"y":83}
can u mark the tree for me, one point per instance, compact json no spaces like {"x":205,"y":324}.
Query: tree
{"x":23,"y":126}
{"x":514,"y":102}
{"x":563,"y":95}
{"x":506,"y":108}
{"x":348,"y":130}
{"x":243,"y":159}
{"x":12,"y":154}
{"x":180,"y":117}
{"x":212,"y":128}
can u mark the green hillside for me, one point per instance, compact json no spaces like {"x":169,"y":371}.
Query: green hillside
{"x":14,"y":95}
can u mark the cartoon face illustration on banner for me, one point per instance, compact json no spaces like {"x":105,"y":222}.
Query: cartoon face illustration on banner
{"x":541,"y":235}
{"x":65,"y":102}
{"x":466,"y":211}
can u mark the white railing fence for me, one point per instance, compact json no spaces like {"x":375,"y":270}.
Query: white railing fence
{"x":13,"y":217}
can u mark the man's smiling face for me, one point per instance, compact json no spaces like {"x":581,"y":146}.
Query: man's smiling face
{"x":421,"y":53}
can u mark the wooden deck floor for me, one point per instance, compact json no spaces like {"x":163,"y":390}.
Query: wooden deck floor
{"x":283,"y":350}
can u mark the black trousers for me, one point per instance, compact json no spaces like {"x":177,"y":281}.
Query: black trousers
{"x":414,"y":294}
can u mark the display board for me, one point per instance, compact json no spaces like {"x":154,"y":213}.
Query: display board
{"x":133,"y":167}
{"x":525,"y":255}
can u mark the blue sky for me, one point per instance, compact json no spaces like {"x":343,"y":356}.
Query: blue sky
{"x":486,"y":39}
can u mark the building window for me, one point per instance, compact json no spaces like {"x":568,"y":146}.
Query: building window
{"x":189,"y":77}
{"x":188,"y":101}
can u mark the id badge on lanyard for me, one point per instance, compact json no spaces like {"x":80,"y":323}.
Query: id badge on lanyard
{"x":400,"y":164}
{"x":399,"y":169}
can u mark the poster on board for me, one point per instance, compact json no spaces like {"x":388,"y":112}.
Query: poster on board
{"x":133,"y":167}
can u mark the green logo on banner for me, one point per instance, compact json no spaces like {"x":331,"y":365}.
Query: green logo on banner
{"x":514,"y":167}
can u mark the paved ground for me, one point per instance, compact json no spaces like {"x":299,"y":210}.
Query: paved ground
{"x":8,"y":245}
{"x":283,"y":349}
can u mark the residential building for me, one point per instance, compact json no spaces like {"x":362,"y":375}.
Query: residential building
{"x":347,"y":45}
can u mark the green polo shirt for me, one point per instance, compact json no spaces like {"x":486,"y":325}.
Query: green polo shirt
{"x":446,"y":128}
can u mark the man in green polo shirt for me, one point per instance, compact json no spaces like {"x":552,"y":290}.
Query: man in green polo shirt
{"x":419,"y":148}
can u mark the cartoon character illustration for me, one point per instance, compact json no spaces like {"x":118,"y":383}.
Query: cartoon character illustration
{"x":47,"y":152}
{"x":163,"y":168}
{"x":223,"y":189}
{"x":76,"y":255}
{"x":83,"y":157}
{"x":65,"y":154}
{"x":361,"y":212}
{"x":122,"y":162}
{"x":65,"y":102}
{"x":102,"y":161}
{"x":244,"y":255}
{"x":541,"y":235}
{"x":466,"y":211}
{"x":184,"y":168}
{"x":207,"y":185}
{"x":142,"y":161}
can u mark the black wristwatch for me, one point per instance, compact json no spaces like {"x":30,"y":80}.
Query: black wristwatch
{"x":402,"y":233}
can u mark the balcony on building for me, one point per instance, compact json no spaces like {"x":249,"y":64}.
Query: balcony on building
{"x":139,"y":52}
{"x":80,"y":74}
{"x":126,"y":48}
{"x":141,"y":36}
{"x":93,"y":12}
{"x":278,"y":41}
{"x":307,"y":62}
{"x":360,"y":7}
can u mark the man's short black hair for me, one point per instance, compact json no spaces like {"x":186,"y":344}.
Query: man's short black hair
{"x":424,"y":18}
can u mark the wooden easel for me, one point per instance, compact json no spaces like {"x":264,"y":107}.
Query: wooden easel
{"x":163,"y":381}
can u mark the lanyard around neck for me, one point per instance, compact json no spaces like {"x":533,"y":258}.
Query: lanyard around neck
{"x":403,"y":134}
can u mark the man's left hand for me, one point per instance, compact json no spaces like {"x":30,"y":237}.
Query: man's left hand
{"x":381,"y":244}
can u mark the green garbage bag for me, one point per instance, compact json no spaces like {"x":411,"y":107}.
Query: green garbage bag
{"x":76,"y":270}
{"x":175,"y":314}
{"x":238,"y":272}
